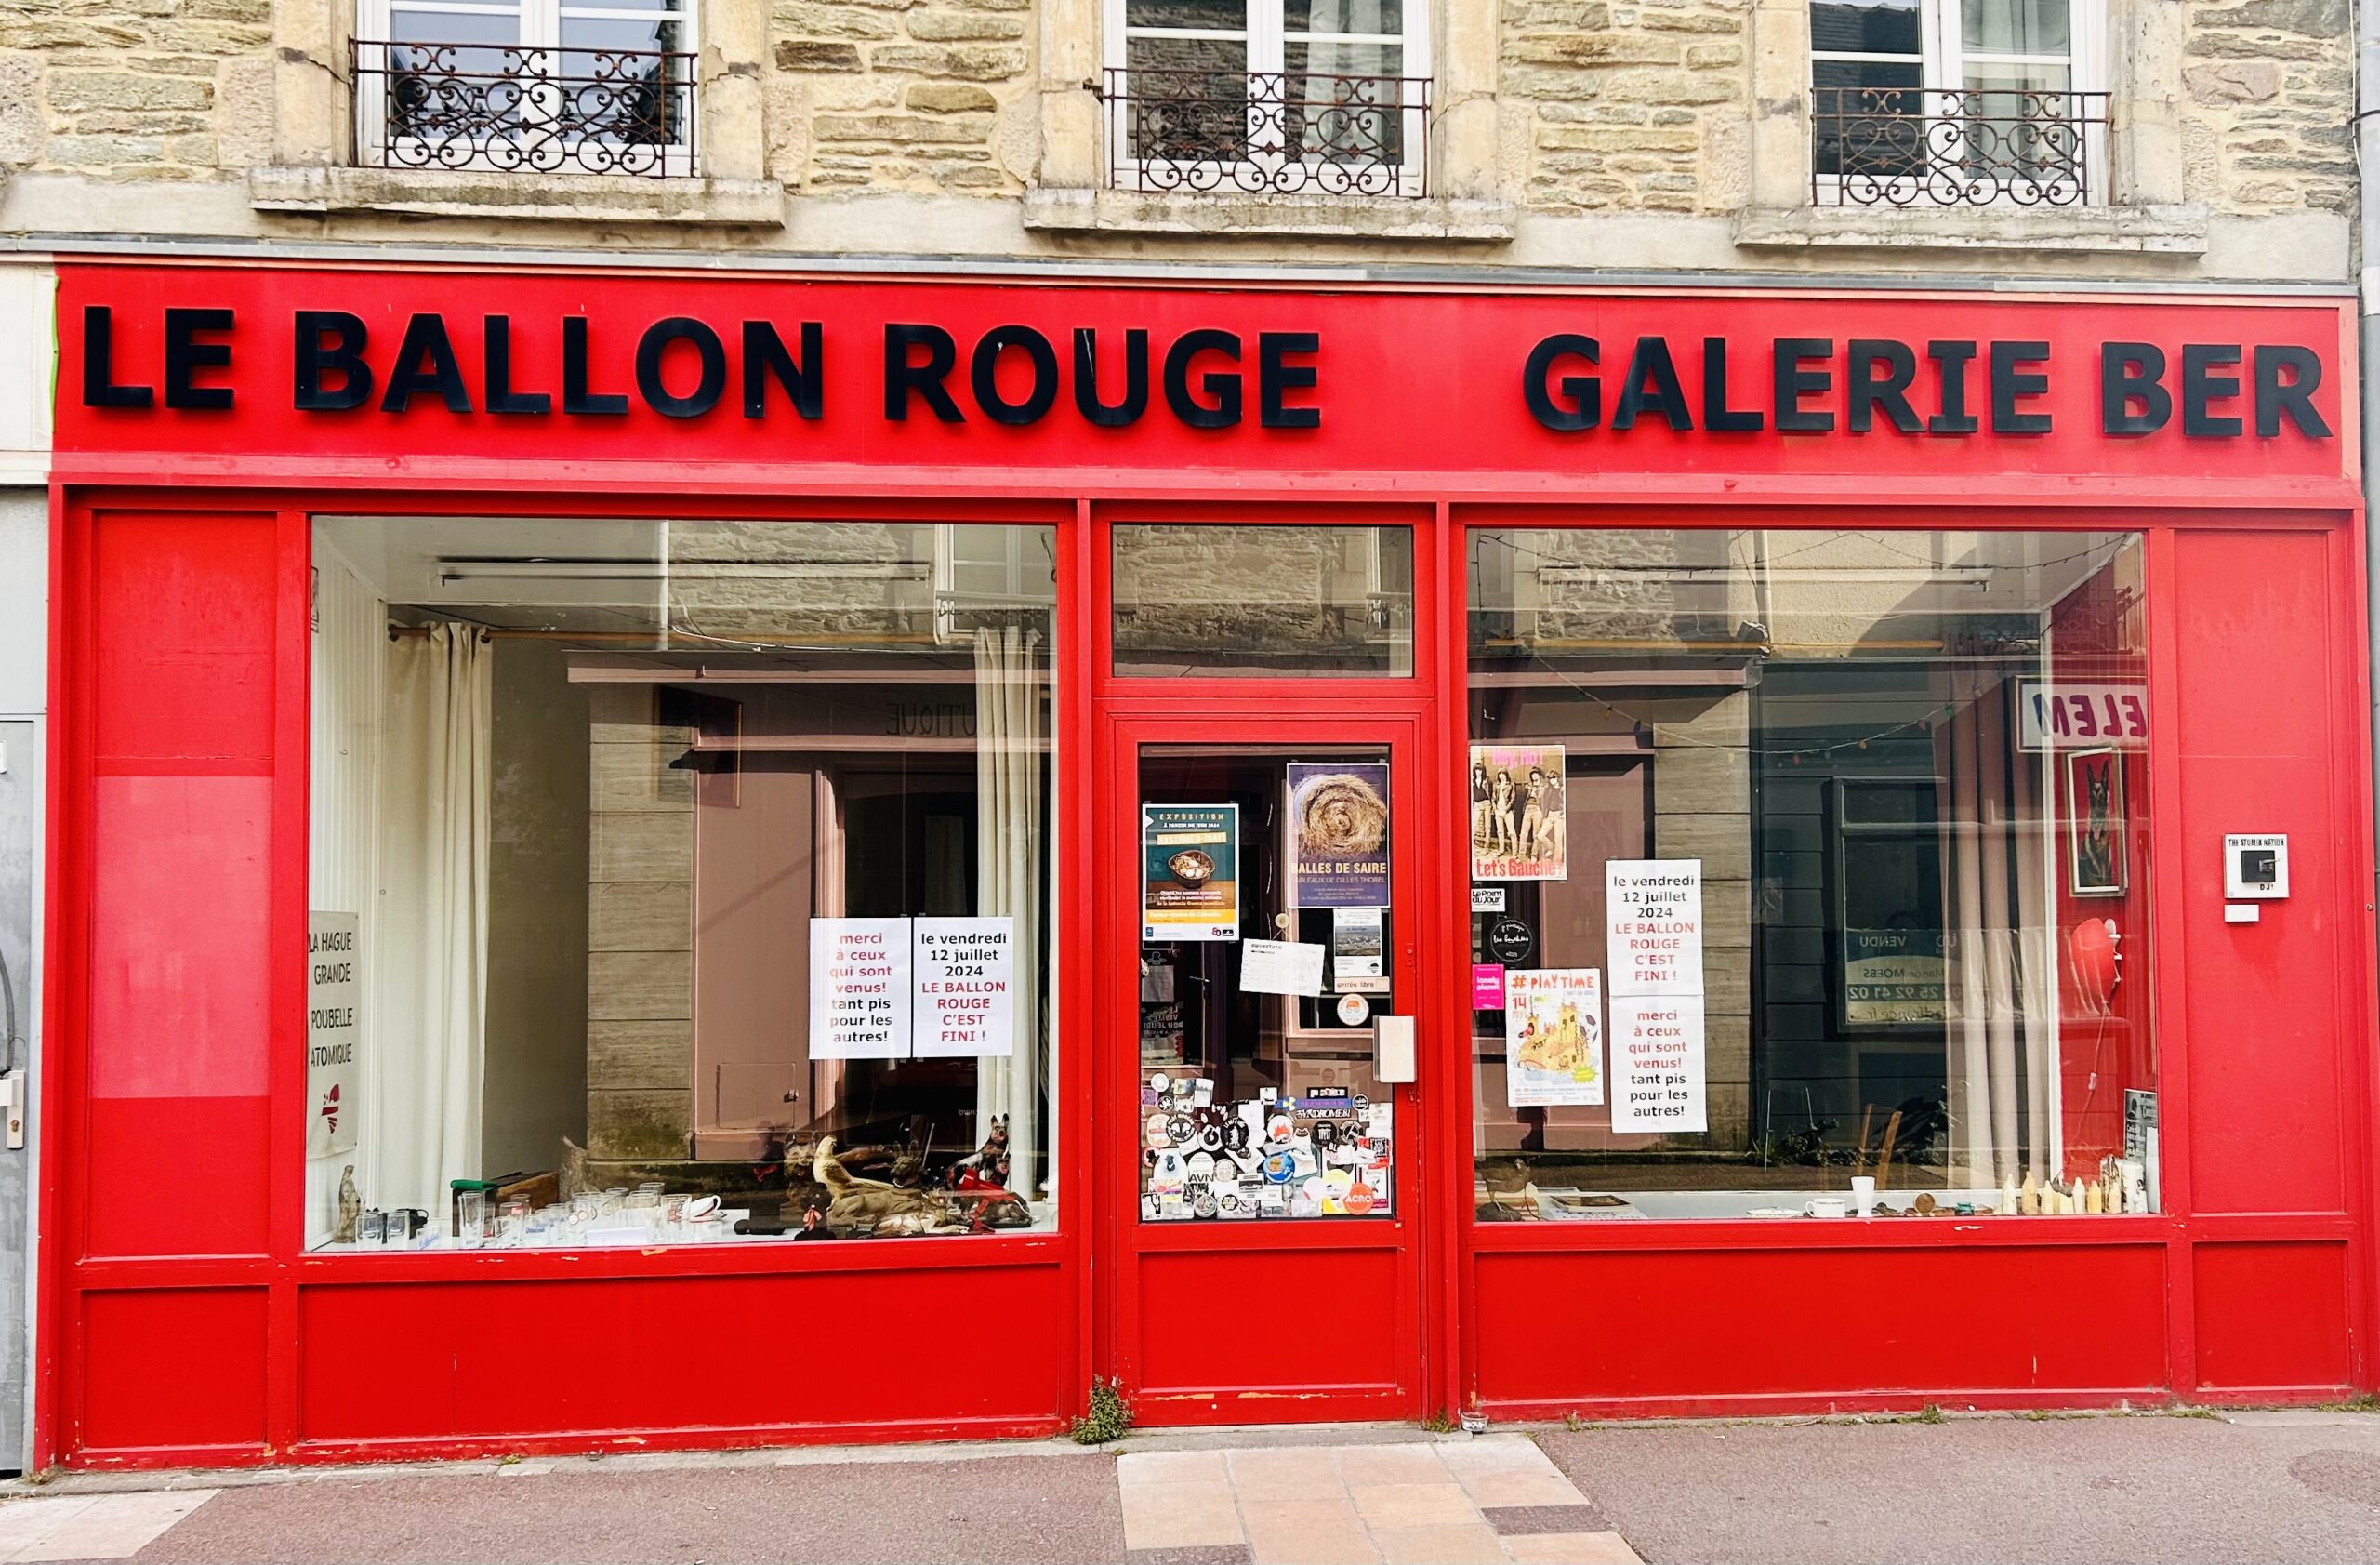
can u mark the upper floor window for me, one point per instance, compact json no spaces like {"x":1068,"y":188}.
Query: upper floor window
{"x":1287,"y":97}
{"x":1957,"y":102}
{"x":539,"y":87}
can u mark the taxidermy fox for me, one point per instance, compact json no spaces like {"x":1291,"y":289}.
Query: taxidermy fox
{"x":871,"y":1204}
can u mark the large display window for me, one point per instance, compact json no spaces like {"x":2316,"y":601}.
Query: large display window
{"x":1809,"y":874}
{"x":679,"y":881}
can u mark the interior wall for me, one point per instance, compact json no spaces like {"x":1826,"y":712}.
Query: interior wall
{"x":536,"y":1064}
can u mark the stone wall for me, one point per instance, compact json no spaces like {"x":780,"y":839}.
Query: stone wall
{"x":1636,"y":104}
{"x":900,"y":95}
{"x":2271,"y":89}
{"x":135,"y":89}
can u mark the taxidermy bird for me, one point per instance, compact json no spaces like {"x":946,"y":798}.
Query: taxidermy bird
{"x":1511,"y":1181}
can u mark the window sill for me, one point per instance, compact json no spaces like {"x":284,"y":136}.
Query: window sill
{"x":582,"y":198}
{"x":1390,"y":219}
{"x":2160,"y":230}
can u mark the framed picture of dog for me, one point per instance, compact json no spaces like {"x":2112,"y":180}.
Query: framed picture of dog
{"x":2095,"y":823}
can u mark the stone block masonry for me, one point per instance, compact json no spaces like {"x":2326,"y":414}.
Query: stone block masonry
{"x":1619,"y":105}
{"x":134,"y":89}
{"x":901,"y":95}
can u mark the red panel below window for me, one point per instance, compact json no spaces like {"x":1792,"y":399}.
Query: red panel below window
{"x":1580,"y":1329}
{"x":179,"y":1368}
{"x":2272,"y":1317}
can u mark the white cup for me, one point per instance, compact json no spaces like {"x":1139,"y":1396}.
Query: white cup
{"x":1863,"y":1195}
{"x":1827,"y":1206}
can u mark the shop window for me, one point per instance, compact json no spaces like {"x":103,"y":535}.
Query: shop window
{"x":1289,"y":97}
{"x":1957,"y":102}
{"x":1217,"y":600}
{"x":534,"y":87}
{"x":1809,"y":871}
{"x":679,"y":881}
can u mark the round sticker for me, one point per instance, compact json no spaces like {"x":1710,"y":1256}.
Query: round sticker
{"x":1509,"y":942}
{"x":1205,"y":1206}
{"x":1359,"y":1199}
{"x":1281,"y":1167}
{"x":1182,"y":1132}
{"x":1325,"y":1133}
{"x":1156,"y":1083}
{"x":1279,"y":1128}
{"x":1235,"y":1137}
{"x":1201,"y":1167}
{"x":1354,"y":1010}
{"x":1211,"y":1137}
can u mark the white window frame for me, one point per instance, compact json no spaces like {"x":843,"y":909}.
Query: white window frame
{"x":1267,"y":38}
{"x":1942,"y":62}
{"x":540,"y":28}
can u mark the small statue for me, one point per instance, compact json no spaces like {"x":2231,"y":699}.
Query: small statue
{"x":350,"y":1208}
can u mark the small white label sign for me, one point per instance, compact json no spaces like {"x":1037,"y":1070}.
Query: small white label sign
{"x":859,"y":989}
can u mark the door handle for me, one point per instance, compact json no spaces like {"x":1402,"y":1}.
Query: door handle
{"x":1392,"y":1048}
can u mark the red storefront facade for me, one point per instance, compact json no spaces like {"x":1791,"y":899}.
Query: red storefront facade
{"x":2200,"y":448}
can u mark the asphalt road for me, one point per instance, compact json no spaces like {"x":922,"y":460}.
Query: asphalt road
{"x":2299,"y":1487}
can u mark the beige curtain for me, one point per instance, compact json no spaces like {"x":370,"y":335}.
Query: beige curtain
{"x":1010,"y":744}
{"x":430,"y":1002}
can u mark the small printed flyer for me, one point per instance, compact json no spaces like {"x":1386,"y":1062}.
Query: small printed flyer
{"x":1553,"y":1036}
{"x":1190,"y":871}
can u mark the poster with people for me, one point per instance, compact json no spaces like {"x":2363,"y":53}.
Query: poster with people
{"x":1552,"y":1037}
{"x":1518,"y":812}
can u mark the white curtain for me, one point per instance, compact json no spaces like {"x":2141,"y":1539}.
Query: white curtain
{"x":1009,"y":744}
{"x":430,"y":1003}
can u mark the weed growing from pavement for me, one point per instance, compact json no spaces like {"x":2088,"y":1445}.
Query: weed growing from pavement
{"x":1439,"y":1423}
{"x":1109,"y":1417}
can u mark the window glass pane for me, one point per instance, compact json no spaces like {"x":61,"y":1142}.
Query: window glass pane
{"x":1385,"y":17}
{"x":618,"y":82}
{"x":2019,"y":125}
{"x":1189,"y":98}
{"x":1207,"y":16}
{"x":1346,"y":101}
{"x":1820,"y":857}
{"x":1202,"y":599}
{"x":1867,"y":119}
{"x":1256,"y":1104}
{"x":1881,"y":27}
{"x":2016,"y":26}
{"x":672,"y":878}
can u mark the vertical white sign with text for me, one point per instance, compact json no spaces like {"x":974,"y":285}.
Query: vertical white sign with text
{"x":1656,"y":1065}
{"x":859,"y":989}
{"x":334,"y":991}
{"x":966,"y":973}
{"x":1653,"y":913}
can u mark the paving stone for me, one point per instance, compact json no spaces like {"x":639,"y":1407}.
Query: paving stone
{"x":1510,"y":1519}
{"x":1571,"y":1549}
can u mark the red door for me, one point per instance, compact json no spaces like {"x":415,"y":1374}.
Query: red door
{"x":1259,"y":1126}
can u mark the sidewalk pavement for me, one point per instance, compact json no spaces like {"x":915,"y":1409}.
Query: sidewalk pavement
{"x":2249,"y":1486}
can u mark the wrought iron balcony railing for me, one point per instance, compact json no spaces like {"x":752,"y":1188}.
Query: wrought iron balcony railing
{"x":517,"y":109}
{"x":1939,"y":147}
{"x":1276,"y":133}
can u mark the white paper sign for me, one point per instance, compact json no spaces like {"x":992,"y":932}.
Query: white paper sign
{"x":333,"y":989}
{"x":966,"y":996}
{"x":1656,"y":1065}
{"x":859,"y":989}
{"x":1654,"y":910}
{"x":1280,"y":967}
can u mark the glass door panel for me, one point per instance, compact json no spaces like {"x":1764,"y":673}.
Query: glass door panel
{"x":1265,"y":960}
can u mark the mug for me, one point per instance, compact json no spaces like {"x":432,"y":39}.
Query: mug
{"x":1863,"y":1195}
{"x":1827,"y":1206}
